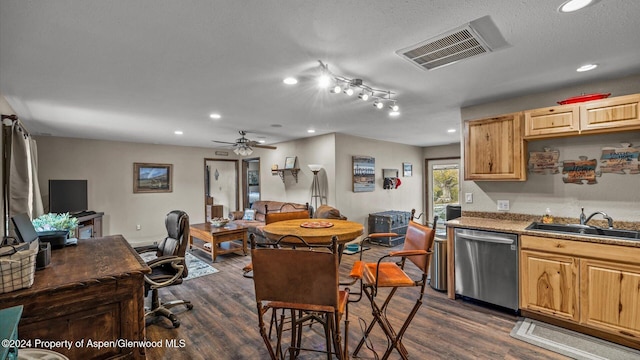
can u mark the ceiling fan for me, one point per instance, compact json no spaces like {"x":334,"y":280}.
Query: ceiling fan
{"x":243,"y":146}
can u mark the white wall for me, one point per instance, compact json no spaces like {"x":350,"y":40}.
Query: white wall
{"x":618,"y":195}
{"x":357,"y":206}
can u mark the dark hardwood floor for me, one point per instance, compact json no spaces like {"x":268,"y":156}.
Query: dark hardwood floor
{"x":223,"y":323}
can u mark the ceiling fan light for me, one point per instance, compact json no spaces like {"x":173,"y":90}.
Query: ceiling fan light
{"x":236,"y":151}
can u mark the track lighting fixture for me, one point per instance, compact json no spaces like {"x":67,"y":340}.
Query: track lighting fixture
{"x":366,"y":92}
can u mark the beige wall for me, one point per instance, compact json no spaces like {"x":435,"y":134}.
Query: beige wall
{"x":357,"y":206}
{"x":108,"y":167}
{"x":618,"y":195}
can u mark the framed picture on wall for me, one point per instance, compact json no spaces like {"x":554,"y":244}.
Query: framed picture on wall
{"x":290,"y":162}
{"x":407,"y":169}
{"x":253,"y":177}
{"x":152,"y":178}
{"x":364,"y":173}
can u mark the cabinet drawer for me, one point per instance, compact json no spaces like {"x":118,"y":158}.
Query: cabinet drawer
{"x":552,"y":121}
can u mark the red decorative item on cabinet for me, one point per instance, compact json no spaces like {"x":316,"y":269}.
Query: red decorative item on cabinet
{"x":583,"y":98}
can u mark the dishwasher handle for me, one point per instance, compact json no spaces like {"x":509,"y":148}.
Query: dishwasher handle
{"x":485,"y":238}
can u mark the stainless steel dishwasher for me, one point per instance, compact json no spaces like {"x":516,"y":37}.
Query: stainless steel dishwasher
{"x":487,"y":266}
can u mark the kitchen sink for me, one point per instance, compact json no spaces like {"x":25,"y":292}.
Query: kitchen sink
{"x":587,"y":230}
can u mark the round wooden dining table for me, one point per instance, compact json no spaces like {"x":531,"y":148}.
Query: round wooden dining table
{"x":345,"y":230}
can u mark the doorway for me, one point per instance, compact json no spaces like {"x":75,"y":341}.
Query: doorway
{"x":250,"y":181}
{"x":443,"y":186}
{"x":220,"y":187}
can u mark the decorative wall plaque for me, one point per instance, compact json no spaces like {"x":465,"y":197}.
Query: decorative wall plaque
{"x":617,"y":160}
{"x":579,"y":170}
{"x":544,"y":162}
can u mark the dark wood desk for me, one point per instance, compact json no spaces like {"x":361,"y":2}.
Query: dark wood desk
{"x":92,"y":291}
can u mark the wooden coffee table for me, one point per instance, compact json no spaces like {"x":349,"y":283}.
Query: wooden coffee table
{"x":215,"y":236}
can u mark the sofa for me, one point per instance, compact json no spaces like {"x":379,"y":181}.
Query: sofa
{"x":260,"y":208}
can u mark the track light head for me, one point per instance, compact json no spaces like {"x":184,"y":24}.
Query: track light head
{"x":336,"y":89}
{"x":394,"y":107}
{"x":364,"y":96}
{"x":378,"y":104}
{"x":324,"y":80}
{"x":348,"y":91}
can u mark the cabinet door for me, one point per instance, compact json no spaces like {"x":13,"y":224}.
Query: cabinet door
{"x":549,"y":284}
{"x":610,"y":296}
{"x":619,"y":113}
{"x":494,"y":149}
{"x":551,"y":122}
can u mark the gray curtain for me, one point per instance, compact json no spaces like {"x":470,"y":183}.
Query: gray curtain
{"x":23,"y":187}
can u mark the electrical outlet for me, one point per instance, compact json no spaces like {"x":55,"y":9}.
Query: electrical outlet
{"x":138,"y":227}
{"x":503,"y":205}
{"x":468,"y":198}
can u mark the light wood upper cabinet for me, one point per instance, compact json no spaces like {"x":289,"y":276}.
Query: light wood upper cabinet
{"x":610,"y":295}
{"x":494,"y":149}
{"x":552,"y":120}
{"x":616,"y":113}
{"x":620,"y":113}
{"x":549,"y":284}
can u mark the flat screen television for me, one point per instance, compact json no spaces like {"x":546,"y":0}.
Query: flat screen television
{"x":67,"y":196}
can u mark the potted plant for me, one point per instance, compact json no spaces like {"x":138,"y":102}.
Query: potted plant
{"x":55,"y":228}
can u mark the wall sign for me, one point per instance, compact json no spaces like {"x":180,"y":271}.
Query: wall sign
{"x":544,"y":162}
{"x":617,"y":160}
{"x":580,"y":170}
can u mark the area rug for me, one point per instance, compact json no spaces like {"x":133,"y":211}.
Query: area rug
{"x":570,"y":343}
{"x":197,"y":267}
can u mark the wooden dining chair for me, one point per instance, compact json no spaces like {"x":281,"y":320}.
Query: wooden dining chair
{"x":303,"y":281}
{"x":384,"y":273}
{"x":271,"y":217}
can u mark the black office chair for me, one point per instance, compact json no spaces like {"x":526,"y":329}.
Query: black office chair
{"x":169,"y":266}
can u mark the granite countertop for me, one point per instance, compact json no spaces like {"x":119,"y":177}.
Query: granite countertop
{"x":517,"y":223}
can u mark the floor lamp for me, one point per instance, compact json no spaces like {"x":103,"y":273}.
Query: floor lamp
{"x":315,"y":186}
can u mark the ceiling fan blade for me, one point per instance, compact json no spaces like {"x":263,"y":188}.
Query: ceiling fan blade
{"x":223,"y":142}
{"x":265,"y":146}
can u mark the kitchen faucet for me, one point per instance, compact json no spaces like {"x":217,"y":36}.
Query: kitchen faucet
{"x":585,"y":219}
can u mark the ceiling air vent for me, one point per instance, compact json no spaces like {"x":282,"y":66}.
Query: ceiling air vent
{"x":475,"y":38}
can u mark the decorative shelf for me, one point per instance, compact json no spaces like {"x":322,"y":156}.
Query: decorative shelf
{"x":281,"y":172}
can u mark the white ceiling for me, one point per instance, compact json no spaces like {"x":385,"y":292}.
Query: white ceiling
{"x":137,"y":70}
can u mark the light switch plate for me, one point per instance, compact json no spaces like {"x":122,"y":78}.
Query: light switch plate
{"x":468,"y":198}
{"x":503,"y":205}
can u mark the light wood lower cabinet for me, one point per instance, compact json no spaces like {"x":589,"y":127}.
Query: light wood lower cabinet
{"x":549,"y":284}
{"x":610,"y":295}
{"x":590,"y":286}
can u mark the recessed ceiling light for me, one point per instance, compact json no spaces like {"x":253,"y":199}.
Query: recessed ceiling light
{"x":451,"y":130}
{"x":573,"y":5}
{"x":290,"y":81}
{"x":586,"y":67}
{"x":311,"y":131}
{"x":215,"y":116}
{"x":178,"y":132}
